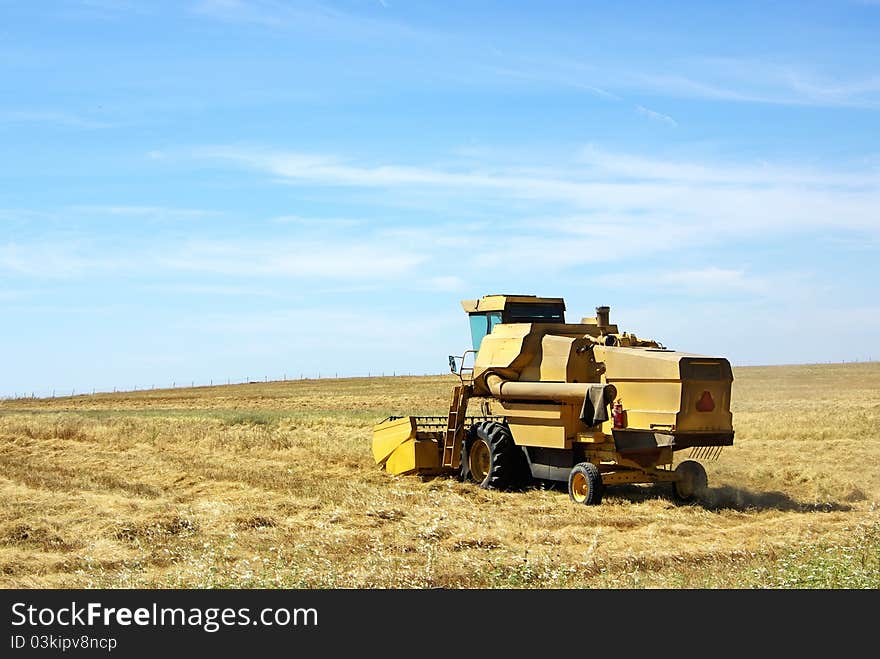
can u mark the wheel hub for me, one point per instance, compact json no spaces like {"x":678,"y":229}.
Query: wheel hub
{"x":479,"y":460}
{"x":580,"y":488}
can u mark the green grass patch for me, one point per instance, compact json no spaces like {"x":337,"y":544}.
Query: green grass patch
{"x":854,"y":563}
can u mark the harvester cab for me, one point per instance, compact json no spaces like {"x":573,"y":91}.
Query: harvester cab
{"x":546,"y":387}
{"x":484,"y":314}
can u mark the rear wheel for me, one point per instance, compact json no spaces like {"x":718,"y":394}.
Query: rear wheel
{"x":585,"y":484}
{"x":692,"y":480}
{"x":490,"y":458}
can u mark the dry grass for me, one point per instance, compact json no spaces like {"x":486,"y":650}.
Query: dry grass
{"x":273,"y":485}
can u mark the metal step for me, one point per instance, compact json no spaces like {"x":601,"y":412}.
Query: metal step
{"x":455,"y":425}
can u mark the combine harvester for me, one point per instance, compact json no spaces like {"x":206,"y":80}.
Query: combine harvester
{"x":545,"y":387}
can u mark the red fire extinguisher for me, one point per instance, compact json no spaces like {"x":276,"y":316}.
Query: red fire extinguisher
{"x":618,"y":414}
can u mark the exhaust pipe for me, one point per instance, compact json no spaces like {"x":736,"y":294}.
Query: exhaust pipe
{"x":602,"y":316}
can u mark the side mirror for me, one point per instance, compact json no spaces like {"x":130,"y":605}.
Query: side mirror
{"x":452,"y":364}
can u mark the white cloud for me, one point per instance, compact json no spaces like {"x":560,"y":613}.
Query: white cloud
{"x":218,"y":290}
{"x":445,"y":283}
{"x":375,"y":330}
{"x":317,"y":222}
{"x":118,"y":6}
{"x":656,"y":116}
{"x":682,"y":85}
{"x":759,"y":173}
{"x":740,"y":80}
{"x":713,"y":281}
{"x":852,"y":92}
{"x":546,"y":72}
{"x":66,"y":119}
{"x":9,"y":296}
{"x":716,"y":198}
{"x":607,"y":208}
{"x":329,"y":259}
{"x":57,"y":260}
{"x":239,"y":11}
{"x":145,"y":212}
{"x":756,"y":81}
{"x":311,"y":18}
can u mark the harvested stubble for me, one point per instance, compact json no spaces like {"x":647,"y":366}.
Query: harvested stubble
{"x":273,"y":485}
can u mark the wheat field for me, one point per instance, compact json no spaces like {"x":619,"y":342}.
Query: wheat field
{"x":272,"y":485}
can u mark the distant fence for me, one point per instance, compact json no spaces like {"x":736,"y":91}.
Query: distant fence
{"x":192,"y":384}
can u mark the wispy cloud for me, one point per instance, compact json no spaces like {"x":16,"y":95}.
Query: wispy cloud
{"x":114,"y":6}
{"x":54,"y":260}
{"x":310,"y":17}
{"x":10,"y":296}
{"x":144,"y":212}
{"x":713,"y":281}
{"x":681,"y":85}
{"x":65,"y":119}
{"x":743,"y":80}
{"x":317,"y":222}
{"x":651,"y":205}
{"x":220,"y":290}
{"x":358,"y":259}
{"x":298,"y":259}
{"x":863,"y":92}
{"x":241,"y":11}
{"x":618,"y":188}
{"x":757,"y":173}
{"x":656,"y":116}
{"x":548,"y":75}
{"x":756,"y":81}
{"x":445,"y":283}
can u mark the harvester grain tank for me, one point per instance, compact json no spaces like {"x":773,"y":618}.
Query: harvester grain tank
{"x":580,"y":403}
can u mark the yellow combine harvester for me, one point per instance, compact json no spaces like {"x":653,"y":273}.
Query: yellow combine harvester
{"x":545,"y":388}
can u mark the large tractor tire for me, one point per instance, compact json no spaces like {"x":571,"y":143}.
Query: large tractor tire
{"x":490,"y":458}
{"x":585,"y":484}
{"x":692,"y":480}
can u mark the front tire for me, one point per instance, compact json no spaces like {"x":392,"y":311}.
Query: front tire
{"x":585,"y":484}
{"x":490,"y":458}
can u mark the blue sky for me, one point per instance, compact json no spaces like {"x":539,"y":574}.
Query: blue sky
{"x":203,"y":190}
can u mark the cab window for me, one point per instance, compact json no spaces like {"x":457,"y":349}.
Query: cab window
{"x":482,"y":324}
{"x":534,"y":313}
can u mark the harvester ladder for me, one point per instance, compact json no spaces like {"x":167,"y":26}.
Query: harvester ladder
{"x":455,"y":425}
